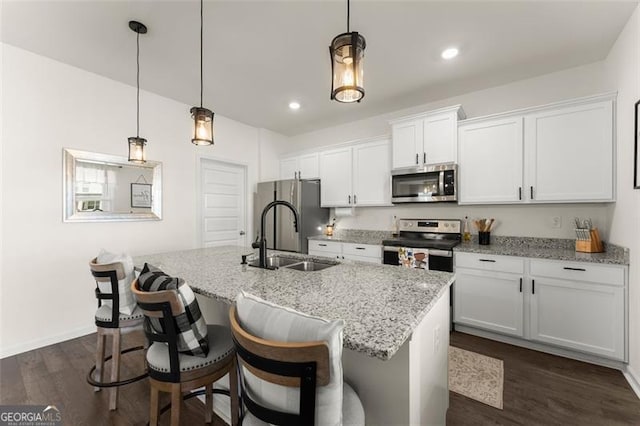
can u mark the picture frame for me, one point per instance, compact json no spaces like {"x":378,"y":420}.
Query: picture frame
{"x":141,"y":195}
{"x":636,"y":154}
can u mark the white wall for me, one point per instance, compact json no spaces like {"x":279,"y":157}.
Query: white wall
{"x":622,"y":73}
{"x":272,"y":144}
{"x":47,"y":290}
{"x":511,"y":220}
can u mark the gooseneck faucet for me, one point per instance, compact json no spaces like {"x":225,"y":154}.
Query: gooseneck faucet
{"x":261,"y":244}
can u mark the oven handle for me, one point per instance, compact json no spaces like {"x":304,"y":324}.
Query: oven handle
{"x":432,"y":252}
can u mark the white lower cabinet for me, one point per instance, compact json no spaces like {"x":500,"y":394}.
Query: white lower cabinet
{"x":349,"y":251}
{"x":572,"y":305}
{"x":578,"y":314}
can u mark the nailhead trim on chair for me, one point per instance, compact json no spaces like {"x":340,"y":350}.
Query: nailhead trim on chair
{"x":195,"y":367}
{"x":122,"y":317}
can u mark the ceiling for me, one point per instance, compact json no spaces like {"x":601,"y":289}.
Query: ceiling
{"x":260,"y":55}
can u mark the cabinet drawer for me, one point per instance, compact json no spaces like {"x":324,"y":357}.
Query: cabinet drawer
{"x":368,"y":250}
{"x":490,"y":262}
{"x":367,"y":259}
{"x":578,"y":271}
{"x":325,"y":246}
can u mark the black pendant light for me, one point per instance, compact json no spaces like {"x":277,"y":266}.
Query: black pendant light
{"x":347,"y":55}
{"x":136,"y":143}
{"x":202,"y":132}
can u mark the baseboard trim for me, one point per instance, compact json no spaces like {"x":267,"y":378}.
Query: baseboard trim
{"x":49,"y":340}
{"x":579,"y":356}
{"x":633,"y":379}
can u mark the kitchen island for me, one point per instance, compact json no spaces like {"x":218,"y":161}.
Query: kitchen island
{"x":396,"y":321}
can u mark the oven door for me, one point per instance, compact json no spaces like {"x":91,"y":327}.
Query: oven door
{"x":434,"y":260}
{"x":440,"y":260}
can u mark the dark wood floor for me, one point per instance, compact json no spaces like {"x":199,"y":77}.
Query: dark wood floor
{"x":539,"y":389}
{"x":543,"y":389}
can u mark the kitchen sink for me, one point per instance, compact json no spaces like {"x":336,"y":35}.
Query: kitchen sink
{"x":274,"y":262}
{"x":309,"y":265}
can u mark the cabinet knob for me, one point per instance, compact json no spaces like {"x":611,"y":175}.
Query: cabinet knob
{"x":416,"y":158}
{"x":519,"y":193}
{"x":424,"y":157}
{"x":349,"y":199}
{"x":354,"y":199}
{"x":531,"y":192}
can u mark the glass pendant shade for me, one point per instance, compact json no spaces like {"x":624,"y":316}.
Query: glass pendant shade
{"x":347,"y":60}
{"x":136,"y":150}
{"x":202,"y":132}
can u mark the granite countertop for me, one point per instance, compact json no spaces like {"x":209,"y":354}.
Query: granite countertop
{"x":355,"y":236}
{"x":545,"y":248}
{"x":381,"y":305}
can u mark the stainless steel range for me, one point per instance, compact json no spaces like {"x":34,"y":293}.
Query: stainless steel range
{"x":428,"y":243}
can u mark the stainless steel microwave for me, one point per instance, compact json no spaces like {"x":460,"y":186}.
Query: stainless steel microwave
{"x":425,"y":184}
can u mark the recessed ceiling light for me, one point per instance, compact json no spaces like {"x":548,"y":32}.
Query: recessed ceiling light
{"x":450,"y":53}
{"x":294,"y":105}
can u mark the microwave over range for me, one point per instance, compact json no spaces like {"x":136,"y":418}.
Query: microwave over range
{"x":424,"y":184}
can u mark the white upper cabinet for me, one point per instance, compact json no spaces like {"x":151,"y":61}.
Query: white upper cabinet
{"x":357,"y":175}
{"x":372,"y":174}
{"x":490,"y":161}
{"x":557,"y":153}
{"x":570,"y":153}
{"x":429,"y":138}
{"x":305,"y":166}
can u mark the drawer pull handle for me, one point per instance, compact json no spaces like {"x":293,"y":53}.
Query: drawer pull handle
{"x":487,"y":260}
{"x":360,"y":248}
{"x":574,"y":269}
{"x":322,"y":245}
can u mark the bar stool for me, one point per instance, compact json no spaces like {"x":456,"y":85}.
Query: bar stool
{"x":111,"y":322}
{"x":176,"y":373}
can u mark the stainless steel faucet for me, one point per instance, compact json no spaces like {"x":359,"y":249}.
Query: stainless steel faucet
{"x":261,"y":244}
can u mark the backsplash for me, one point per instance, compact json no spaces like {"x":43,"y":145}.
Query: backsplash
{"x":513,"y":220}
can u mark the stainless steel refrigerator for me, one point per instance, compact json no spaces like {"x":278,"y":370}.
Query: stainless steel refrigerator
{"x":279,"y":230}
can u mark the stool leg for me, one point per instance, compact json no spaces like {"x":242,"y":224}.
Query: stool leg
{"x":99,"y":374}
{"x":233,"y":390}
{"x":115,"y":370}
{"x":176,"y":400}
{"x":208,"y":403}
{"x":153,"y":406}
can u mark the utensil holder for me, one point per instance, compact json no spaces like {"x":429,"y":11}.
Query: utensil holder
{"x":484,"y":238}
{"x":591,"y":245}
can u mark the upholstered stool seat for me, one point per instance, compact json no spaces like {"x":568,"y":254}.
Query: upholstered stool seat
{"x":220,"y":347}
{"x":105,"y":313}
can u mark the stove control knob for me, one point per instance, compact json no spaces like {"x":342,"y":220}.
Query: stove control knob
{"x":446,"y":225}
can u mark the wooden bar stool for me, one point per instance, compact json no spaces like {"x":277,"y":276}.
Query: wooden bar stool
{"x":111,"y":322}
{"x":176,"y":373}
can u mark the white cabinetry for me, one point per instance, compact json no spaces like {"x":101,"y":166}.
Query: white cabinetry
{"x":557,"y":153}
{"x":301,"y":167}
{"x":579,"y":307}
{"x":428,"y":138}
{"x":357,"y":175}
{"x":486,"y":298}
{"x":349,"y":251}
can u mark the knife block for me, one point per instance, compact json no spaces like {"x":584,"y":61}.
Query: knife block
{"x":592,"y":245}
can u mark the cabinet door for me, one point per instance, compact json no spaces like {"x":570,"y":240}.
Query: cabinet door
{"x":489,"y":300}
{"x":440,"y":138}
{"x":289,"y":168}
{"x":309,"y":166}
{"x":372,"y":174}
{"x":569,"y":153}
{"x":579,"y":316}
{"x":407,"y":144}
{"x":490,"y":162}
{"x":336,"y":178}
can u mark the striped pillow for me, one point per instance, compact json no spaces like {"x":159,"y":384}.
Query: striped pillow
{"x":190,"y":325}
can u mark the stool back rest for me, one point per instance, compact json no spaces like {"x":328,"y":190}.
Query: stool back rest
{"x":110,"y":273}
{"x":295,"y":364}
{"x":159,"y":309}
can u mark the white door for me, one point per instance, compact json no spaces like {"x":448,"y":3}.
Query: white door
{"x":289,"y":168}
{"x":336,"y":176}
{"x":223,"y":203}
{"x":578,"y":315}
{"x":371,"y":171}
{"x":309,"y":166}
{"x":440,"y":138}
{"x":569,"y":153}
{"x":490,"y":162}
{"x":489,"y":300}
{"x":407,"y":144}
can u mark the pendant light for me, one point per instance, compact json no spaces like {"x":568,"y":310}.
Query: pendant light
{"x":347,"y":55}
{"x":202,"y":132}
{"x":136,"y":143}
